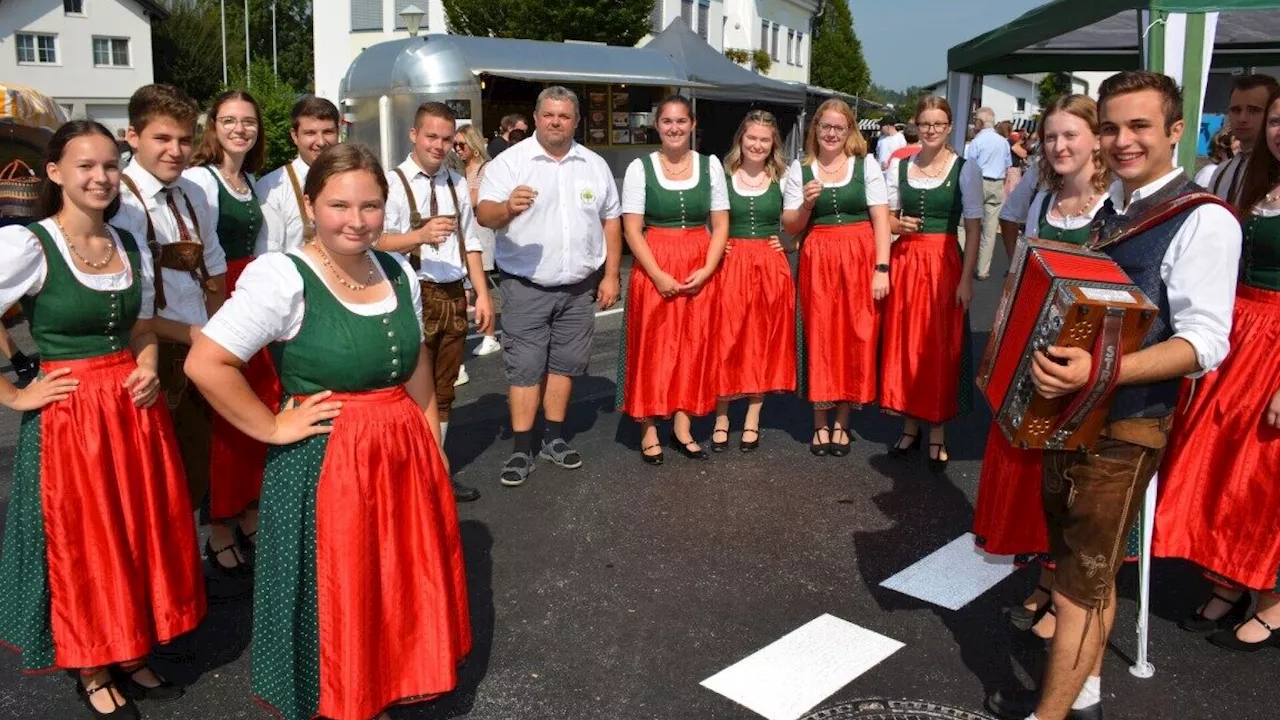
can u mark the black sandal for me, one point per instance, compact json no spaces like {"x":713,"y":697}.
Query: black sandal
{"x":1024,"y":619}
{"x":651,"y":459}
{"x":820,"y":448}
{"x":899,"y":450}
{"x":248,"y":544}
{"x":127,"y":711}
{"x":1227,"y":639}
{"x":840,"y":449}
{"x":745,"y":445}
{"x":163,"y":692}
{"x":716,"y":445}
{"x":1198,"y":623}
{"x":937,"y":465}
{"x":682,"y":447}
{"x":239,"y":571}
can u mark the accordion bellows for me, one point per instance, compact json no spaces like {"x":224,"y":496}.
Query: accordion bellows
{"x":1068,"y":296}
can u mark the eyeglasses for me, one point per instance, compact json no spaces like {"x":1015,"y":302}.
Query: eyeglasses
{"x":834,"y":129}
{"x":933,"y":127}
{"x":229,"y":123}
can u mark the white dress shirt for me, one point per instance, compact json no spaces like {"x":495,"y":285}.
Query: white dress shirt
{"x":1199,"y":272}
{"x":872,"y":180}
{"x":184,"y":297}
{"x":633,"y":183}
{"x":24,"y":269}
{"x":275,"y":192}
{"x":971,"y":195}
{"x":268,"y":304}
{"x":1018,"y":203}
{"x":560,"y":239}
{"x":1032,"y":225}
{"x":887,"y":146}
{"x":440,"y":263}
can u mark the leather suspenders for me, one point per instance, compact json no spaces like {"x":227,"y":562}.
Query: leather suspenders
{"x":416,"y":221}
{"x":183,"y":255}
{"x":308,"y":229}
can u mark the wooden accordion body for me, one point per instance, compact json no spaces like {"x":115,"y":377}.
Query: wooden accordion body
{"x":1064,"y":295}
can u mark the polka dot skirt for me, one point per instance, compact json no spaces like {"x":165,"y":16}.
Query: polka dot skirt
{"x":24,"y":574}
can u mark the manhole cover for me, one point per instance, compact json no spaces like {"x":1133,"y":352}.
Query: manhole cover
{"x":893,"y":710}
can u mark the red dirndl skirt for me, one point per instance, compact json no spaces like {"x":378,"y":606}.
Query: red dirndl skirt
{"x":670,"y":346}
{"x":235,"y":459}
{"x":1009,"y":515}
{"x":755,"y":328}
{"x":922,"y":344}
{"x":1220,"y":484}
{"x":100,"y":558}
{"x":361,"y":599}
{"x":841,"y":320}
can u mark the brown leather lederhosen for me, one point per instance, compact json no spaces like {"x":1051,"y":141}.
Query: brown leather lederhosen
{"x":308,"y":228}
{"x":444,"y":305}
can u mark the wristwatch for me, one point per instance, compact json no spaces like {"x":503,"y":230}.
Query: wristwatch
{"x":882,"y":267}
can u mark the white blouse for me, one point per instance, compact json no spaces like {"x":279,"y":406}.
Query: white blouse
{"x":267,"y":305}
{"x":272,"y":232}
{"x":872,"y":179}
{"x":633,"y":182}
{"x":1032,"y":228}
{"x":971,"y":198}
{"x":23,"y":268}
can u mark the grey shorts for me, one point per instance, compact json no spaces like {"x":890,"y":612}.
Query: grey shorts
{"x":546,"y":329}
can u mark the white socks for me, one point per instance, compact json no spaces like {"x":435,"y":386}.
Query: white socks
{"x":444,"y":433}
{"x":1090,"y":694}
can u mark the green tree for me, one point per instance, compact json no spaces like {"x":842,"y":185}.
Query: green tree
{"x":276,"y":98}
{"x":187,"y":50}
{"x":837,"y":54}
{"x":616,"y":22}
{"x":1051,"y":87}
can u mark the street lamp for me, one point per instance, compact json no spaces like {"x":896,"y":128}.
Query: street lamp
{"x":412,"y":17}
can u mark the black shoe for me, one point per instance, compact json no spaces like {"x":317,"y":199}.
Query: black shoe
{"x":937,"y":465}
{"x":719,"y":446}
{"x":248,"y":544}
{"x":1019,"y":704}
{"x":840,"y":449}
{"x":1023,"y":619}
{"x":816,"y":446}
{"x":745,"y":445}
{"x":163,"y":692}
{"x":464,"y":493}
{"x":1198,"y":623}
{"x":899,"y":450}
{"x":239,"y":571}
{"x":1226,"y":638}
{"x":655,"y":459}
{"x":127,"y":711}
{"x":682,"y":447}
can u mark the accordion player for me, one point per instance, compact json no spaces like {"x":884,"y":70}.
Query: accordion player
{"x":1069,"y":296}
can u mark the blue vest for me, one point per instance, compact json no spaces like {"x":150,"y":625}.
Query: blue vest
{"x":1140,"y":256}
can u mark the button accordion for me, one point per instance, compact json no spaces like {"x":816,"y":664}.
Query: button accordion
{"x":1069,"y":296}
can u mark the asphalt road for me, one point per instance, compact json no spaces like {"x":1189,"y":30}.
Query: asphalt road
{"x":614,"y":590}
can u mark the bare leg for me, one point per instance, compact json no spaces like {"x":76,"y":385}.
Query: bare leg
{"x":938,"y":437}
{"x":840,"y":429}
{"x":649,"y":443}
{"x":555,"y":400}
{"x":221,"y":536}
{"x":720,"y":435}
{"x":249,"y":524}
{"x":107,"y":700}
{"x":1049,"y":623}
{"x":821,"y":431}
{"x":524,"y":406}
{"x":1215,"y":608}
{"x":1066,"y":671}
{"x":910,"y":433}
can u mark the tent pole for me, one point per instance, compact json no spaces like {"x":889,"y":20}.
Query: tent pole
{"x":1142,"y":667}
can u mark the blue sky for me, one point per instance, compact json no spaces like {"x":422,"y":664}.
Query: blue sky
{"x":931,"y":27}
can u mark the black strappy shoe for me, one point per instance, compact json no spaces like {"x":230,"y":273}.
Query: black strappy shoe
{"x":937,"y":465}
{"x":248,"y":543}
{"x":1024,"y":619}
{"x":1198,"y":623}
{"x":716,"y":445}
{"x":127,"y":711}
{"x":1227,"y":639}
{"x":820,"y":448}
{"x":899,"y":450}
{"x":651,"y":459}
{"x":682,"y":447}
{"x":239,"y":571}
{"x":745,"y":445}
{"x":163,"y":692}
{"x":840,"y":449}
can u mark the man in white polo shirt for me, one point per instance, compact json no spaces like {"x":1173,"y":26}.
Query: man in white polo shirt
{"x":555,"y":208}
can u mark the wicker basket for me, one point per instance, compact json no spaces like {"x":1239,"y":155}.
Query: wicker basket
{"x":19,"y":190}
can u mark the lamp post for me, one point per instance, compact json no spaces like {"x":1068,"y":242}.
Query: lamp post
{"x":412,"y":19}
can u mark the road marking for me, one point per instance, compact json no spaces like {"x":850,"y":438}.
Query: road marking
{"x":952,"y":576}
{"x":600,"y":314}
{"x":789,"y":677}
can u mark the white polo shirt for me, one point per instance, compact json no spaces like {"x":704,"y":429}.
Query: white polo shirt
{"x":560,"y":239}
{"x":275,"y":192}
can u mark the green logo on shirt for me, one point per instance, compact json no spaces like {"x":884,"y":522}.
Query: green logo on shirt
{"x":588,"y":195}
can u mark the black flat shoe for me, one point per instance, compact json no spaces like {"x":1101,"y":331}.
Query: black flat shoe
{"x":840,"y":449}
{"x":1226,"y":638}
{"x":718,"y":446}
{"x":1023,"y":619}
{"x":248,"y":543}
{"x":745,"y":445}
{"x":464,"y":493}
{"x":816,"y":446}
{"x":655,"y":459}
{"x":937,"y":465}
{"x":682,"y":447}
{"x":163,"y":692}
{"x":1020,"y":704}
{"x":1198,"y":623}
{"x":240,"y":571}
{"x":898,"y":448}
{"x":127,"y":711}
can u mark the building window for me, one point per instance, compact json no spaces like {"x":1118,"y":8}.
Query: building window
{"x":774,"y":38}
{"x":366,"y":15}
{"x":704,"y":20}
{"x":800,"y":49}
{"x":73,"y":7}
{"x":111,"y":52}
{"x":764,"y":35}
{"x":402,"y":4}
{"x":686,"y":12}
{"x":34,"y":49}
{"x":791,"y":47}
{"x":1022,"y":104}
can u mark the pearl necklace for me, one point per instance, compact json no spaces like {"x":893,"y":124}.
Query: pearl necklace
{"x":232,"y":182}
{"x":106,"y":260}
{"x":1084,"y":208}
{"x":324,"y":257}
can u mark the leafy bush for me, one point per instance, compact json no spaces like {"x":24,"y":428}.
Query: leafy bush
{"x":277,"y":100}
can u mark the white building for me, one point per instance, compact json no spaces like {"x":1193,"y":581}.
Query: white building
{"x":343,"y":28}
{"x":781,"y":28}
{"x":90,"y":55}
{"x":1015,"y":97}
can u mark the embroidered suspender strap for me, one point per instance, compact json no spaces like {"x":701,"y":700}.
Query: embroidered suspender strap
{"x":308,"y":232}
{"x":152,"y":244}
{"x":1153,"y":217}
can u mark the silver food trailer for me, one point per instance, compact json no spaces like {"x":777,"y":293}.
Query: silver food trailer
{"x":483,"y":79}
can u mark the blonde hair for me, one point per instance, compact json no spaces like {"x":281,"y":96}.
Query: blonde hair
{"x":475,"y":142}
{"x":775,"y":166}
{"x":933,"y":102}
{"x":1083,"y":107}
{"x":854,"y":146}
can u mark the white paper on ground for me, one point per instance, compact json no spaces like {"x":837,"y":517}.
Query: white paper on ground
{"x":787,"y":678}
{"x":952,"y":576}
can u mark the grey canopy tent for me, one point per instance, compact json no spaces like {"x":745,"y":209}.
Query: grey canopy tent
{"x":732,"y":82}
